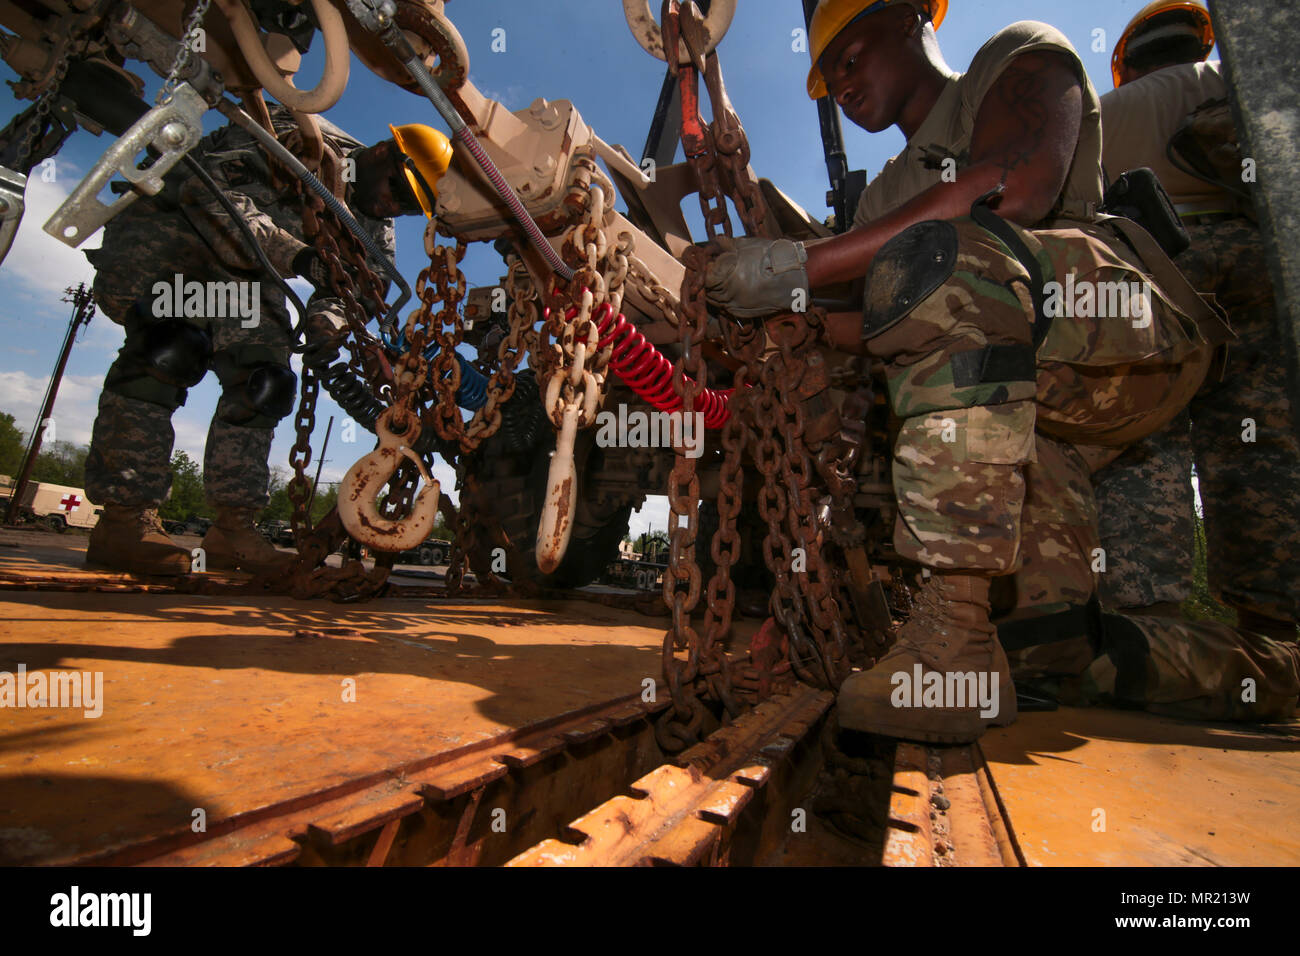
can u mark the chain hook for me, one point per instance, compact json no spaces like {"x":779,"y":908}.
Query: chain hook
{"x":358,"y":506}
{"x":561,"y":500}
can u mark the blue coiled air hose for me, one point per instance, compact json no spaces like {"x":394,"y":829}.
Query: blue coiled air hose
{"x":472,"y":394}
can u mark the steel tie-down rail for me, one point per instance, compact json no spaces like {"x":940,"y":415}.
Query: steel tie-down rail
{"x":687,"y":815}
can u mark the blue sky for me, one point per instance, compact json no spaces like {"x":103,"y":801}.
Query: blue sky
{"x":563,"y":49}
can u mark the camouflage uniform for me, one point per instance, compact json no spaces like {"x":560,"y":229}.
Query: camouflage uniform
{"x":1199,"y":670}
{"x":992,"y":462}
{"x":1250,"y":490}
{"x":964,"y":449}
{"x":186,"y":231}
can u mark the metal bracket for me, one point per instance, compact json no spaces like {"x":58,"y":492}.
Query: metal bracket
{"x":12,"y":188}
{"x":375,"y":15}
{"x":173,"y":128}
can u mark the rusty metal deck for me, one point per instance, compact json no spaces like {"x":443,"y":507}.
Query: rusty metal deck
{"x":423,"y":728}
{"x":1124,"y":788}
{"x":270,"y":705}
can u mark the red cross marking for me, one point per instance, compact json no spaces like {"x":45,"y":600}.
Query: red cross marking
{"x":70,"y":503}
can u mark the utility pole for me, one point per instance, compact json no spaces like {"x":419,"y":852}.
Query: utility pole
{"x":83,"y":310}
{"x":320,"y":463}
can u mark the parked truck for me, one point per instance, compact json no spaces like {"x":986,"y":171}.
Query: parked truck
{"x":58,"y":507}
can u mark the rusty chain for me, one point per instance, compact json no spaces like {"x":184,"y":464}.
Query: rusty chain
{"x":43,"y":106}
{"x":522,"y":316}
{"x":681,"y":725}
{"x":448,"y":287}
{"x":654,"y":294}
{"x":352,"y":284}
{"x":572,"y":370}
{"x":773,"y":397}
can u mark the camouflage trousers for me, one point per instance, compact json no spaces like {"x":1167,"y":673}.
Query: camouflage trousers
{"x":1202,"y":670}
{"x":968,"y":442}
{"x":1004,"y":489}
{"x":131,"y":443}
{"x":1242,"y":436}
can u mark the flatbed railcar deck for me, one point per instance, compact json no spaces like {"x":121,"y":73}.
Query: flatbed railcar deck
{"x":413,"y":730}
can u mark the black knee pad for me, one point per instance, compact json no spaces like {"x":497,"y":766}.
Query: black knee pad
{"x":176,"y":352}
{"x":160,"y":361}
{"x":264,"y":396}
{"x":905,"y":272}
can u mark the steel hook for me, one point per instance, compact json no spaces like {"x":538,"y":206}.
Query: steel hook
{"x":556,"y":526}
{"x":362,"y":484}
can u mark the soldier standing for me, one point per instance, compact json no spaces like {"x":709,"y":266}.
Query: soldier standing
{"x":1243,"y":430}
{"x":183,"y":236}
{"x":997,"y":190}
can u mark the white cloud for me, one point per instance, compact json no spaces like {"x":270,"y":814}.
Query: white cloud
{"x":42,"y":265}
{"x":191,"y":422}
{"x":78,"y":403}
{"x":102,"y":335}
{"x":514,"y":97}
{"x":653,"y":516}
{"x":74,"y":411}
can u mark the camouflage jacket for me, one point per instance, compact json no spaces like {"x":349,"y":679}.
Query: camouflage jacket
{"x":186,"y":230}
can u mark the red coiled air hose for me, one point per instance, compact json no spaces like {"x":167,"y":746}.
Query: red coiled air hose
{"x":646,"y":371}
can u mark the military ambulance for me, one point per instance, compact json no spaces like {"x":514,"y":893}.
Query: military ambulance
{"x":58,"y":507}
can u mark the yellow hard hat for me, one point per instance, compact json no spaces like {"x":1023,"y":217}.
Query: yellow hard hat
{"x":1203,"y":28}
{"x":832,"y":16}
{"x":429,"y":154}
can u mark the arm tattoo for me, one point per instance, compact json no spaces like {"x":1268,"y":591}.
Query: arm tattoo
{"x":1020,"y":90}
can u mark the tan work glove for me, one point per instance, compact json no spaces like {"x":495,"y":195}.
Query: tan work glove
{"x":757,"y":277}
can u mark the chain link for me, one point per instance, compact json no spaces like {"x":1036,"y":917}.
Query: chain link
{"x":768,"y":419}
{"x":352,"y":284}
{"x":572,"y":368}
{"x":183,"y":53}
{"x":44,"y":105}
{"x":654,"y":294}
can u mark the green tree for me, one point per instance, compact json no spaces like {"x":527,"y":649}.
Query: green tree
{"x":327,"y":496}
{"x":12,"y":445}
{"x":186,"y":500}
{"x":1202,"y":605}
{"x":655,"y":545}
{"x":278,"y":508}
{"x":61,"y":463}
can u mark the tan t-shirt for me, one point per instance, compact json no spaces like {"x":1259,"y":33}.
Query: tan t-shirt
{"x":947,"y":129}
{"x":1140,"y":117}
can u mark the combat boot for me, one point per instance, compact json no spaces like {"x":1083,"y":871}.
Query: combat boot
{"x":928,"y":687}
{"x":132,"y":539}
{"x":233,"y":543}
